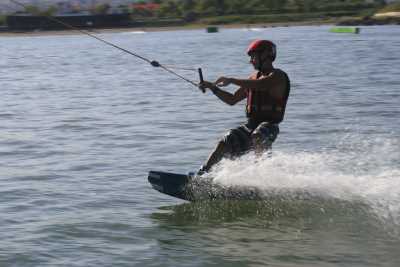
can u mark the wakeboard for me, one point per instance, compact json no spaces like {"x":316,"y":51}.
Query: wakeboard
{"x":196,"y":188}
{"x":173,"y":184}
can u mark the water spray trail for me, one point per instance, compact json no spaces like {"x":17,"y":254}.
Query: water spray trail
{"x":358,"y":170}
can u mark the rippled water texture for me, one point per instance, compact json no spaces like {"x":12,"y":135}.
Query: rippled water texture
{"x":81,"y":124}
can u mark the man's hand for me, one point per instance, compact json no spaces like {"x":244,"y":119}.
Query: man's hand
{"x":206,"y":85}
{"x":223,"y":81}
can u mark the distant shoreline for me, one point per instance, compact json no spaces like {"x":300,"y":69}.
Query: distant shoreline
{"x":166,"y":28}
{"x":351,"y":21}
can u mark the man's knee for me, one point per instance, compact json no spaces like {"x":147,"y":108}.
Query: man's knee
{"x":236,"y":141}
{"x":264,"y":135}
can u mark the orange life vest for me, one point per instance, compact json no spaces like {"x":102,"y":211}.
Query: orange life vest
{"x":261,"y":106}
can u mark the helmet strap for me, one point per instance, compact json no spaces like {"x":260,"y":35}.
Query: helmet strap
{"x":260,"y":62}
{"x":262,"y":58}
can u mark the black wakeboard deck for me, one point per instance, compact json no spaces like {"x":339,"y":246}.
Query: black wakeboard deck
{"x":198,"y":188}
{"x":172,"y":184}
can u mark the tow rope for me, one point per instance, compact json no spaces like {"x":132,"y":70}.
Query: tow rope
{"x":153,"y":63}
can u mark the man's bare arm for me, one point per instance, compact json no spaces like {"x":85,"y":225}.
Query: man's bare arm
{"x":224,"y":96}
{"x":269,"y":81}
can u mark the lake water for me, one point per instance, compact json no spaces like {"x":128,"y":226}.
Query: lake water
{"x":81,"y":124}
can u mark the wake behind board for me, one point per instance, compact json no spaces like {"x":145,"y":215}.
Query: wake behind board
{"x":198,"y":188}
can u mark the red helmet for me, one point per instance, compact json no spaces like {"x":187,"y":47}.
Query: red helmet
{"x":262,"y":46}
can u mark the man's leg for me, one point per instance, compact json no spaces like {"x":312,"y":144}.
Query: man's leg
{"x":263,"y":137}
{"x":233,"y":144}
{"x":214,"y":157}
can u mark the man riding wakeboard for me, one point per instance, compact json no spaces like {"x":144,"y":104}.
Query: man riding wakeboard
{"x":267,"y":91}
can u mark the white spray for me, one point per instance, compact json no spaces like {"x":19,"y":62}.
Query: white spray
{"x":357,"y":169}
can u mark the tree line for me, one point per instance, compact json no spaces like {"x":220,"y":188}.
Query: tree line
{"x":192,"y":9}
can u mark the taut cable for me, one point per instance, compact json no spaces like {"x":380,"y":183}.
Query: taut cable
{"x":151,"y":62}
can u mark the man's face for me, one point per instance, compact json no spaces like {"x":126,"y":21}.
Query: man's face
{"x":255,"y":59}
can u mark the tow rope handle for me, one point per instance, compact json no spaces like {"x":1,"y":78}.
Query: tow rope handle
{"x":201,"y":79}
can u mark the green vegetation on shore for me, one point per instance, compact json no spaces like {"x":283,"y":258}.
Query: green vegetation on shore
{"x":255,"y":11}
{"x":395,"y":7}
{"x":2,"y":20}
{"x":160,"y":13}
{"x":370,"y":19}
{"x":275,"y":18}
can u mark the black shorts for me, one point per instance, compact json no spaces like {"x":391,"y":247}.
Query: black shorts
{"x":247,"y":136}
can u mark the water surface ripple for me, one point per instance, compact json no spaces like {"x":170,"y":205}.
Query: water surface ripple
{"x":81,"y":124}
